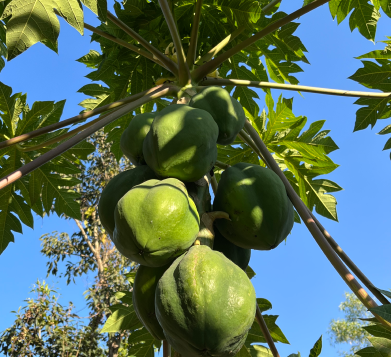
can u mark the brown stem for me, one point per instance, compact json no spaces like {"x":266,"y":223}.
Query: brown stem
{"x":183,"y":68}
{"x":266,"y":332}
{"x":124,"y":44}
{"x":246,"y":138}
{"x":191,"y":53}
{"x":296,"y":88}
{"x":210,"y":66}
{"x":156,"y":92}
{"x":166,"y":349}
{"x":171,"y":65}
{"x":302,"y":209}
{"x":73,"y":120}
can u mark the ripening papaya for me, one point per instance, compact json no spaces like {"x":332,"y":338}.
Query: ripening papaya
{"x":181,"y":143}
{"x":155,"y":222}
{"x":133,"y":137}
{"x":240,"y":256}
{"x":143,"y":297}
{"x":260,"y":211}
{"x":225,"y":110}
{"x":205,"y":304}
{"x":116,"y":188}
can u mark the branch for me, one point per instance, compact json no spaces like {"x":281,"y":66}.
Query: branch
{"x":191,"y":54}
{"x":298,"y":88}
{"x":73,"y":120}
{"x":171,"y":65}
{"x":305,"y":215}
{"x":154,"y":93}
{"x":183,"y":70}
{"x":84,"y":234}
{"x":124,"y":44}
{"x":209,"y":67}
{"x":266,"y":332}
{"x":97,"y":244}
{"x":345,"y":258}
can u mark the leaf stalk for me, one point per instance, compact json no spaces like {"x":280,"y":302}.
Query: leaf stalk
{"x":156,"y":92}
{"x":320,"y":239}
{"x":292,"y":87}
{"x":191,"y":53}
{"x":183,"y":69}
{"x":265,"y":331}
{"x":125,"y":44}
{"x":171,"y":65}
{"x":73,"y":120}
{"x":199,"y":73}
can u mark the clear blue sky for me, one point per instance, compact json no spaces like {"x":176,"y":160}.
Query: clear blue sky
{"x":299,"y":281}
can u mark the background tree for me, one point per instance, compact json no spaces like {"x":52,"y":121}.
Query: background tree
{"x":349,"y":329}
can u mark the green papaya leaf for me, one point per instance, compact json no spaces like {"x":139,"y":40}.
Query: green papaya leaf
{"x":383,"y":311}
{"x":378,"y":331}
{"x":317,"y":349}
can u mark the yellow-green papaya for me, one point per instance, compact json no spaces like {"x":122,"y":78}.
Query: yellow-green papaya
{"x":133,"y":137}
{"x":155,"y":222}
{"x":116,"y":188}
{"x":240,"y":256}
{"x":181,"y":143}
{"x":205,"y":304}
{"x":225,"y":110}
{"x":143,"y":297}
{"x":260,"y":211}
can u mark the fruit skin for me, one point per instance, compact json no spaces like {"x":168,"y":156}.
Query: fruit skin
{"x":225,"y":110}
{"x":205,"y":304}
{"x":239,"y":256}
{"x":133,"y":137}
{"x":143,"y":297}
{"x":181,"y":143}
{"x":256,"y":201}
{"x":116,"y":188}
{"x":155,"y":222}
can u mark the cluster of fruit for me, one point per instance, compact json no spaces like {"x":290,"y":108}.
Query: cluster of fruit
{"x":200,"y":300}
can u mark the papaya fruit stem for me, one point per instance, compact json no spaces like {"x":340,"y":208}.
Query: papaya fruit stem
{"x":206,"y":234}
{"x":317,"y":234}
{"x":214,"y":184}
{"x":222,"y":165}
{"x":192,"y":51}
{"x":210,"y":66}
{"x":153,"y":93}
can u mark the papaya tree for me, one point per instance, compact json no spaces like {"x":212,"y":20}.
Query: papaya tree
{"x":159,"y":56}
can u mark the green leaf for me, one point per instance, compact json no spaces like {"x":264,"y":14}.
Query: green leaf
{"x":142,"y":344}
{"x":33,"y":21}
{"x":255,"y":334}
{"x":382,"y":345}
{"x":385,"y":292}
{"x":378,"y":331}
{"x":250,"y":273}
{"x":244,"y":12}
{"x":317,"y":349}
{"x":99,"y":7}
{"x":124,"y":296}
{"x":264,"y":304}
{"x":122,"y":318}
{"x":374,"y":76}
{"x":364,"y":16}
{"x":368,"y":352}
{"x":383,"y":311}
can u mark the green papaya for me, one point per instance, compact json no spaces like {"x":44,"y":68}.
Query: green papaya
{"x":155,"y":222}
{"x":116,"y":188}
{"x":181,"y":143}
{"x":240,"y":256}
{"x":260,"y":211}
{"x":225,"y":110}
{"x":143,"y":297}
{"x":205,"y":304}
{"x":133,"y":137}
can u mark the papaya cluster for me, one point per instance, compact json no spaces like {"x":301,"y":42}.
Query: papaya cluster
{"x":197,"y":298}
